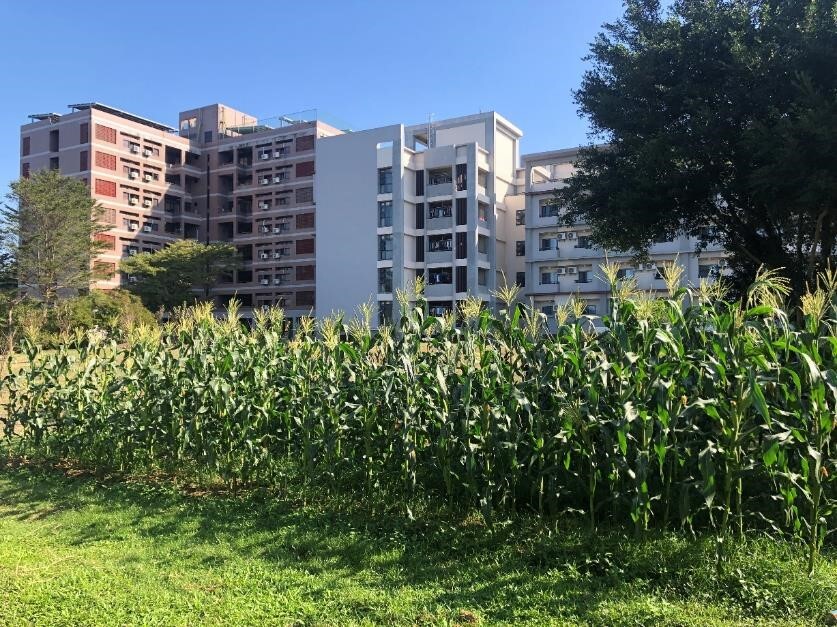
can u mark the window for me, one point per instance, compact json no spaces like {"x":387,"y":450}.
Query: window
{"x":439,"y":176}
{"x":385,"y":213}
{"x":82,"y":160}
{"x":590,"y":310}
{"x":207,"y":139}
{"x":583,"y":276}
{"x":304,"y":195}
{"x":461,"y":176}
{"x":420,"y":183}
{"x":625,"y":273}
{"x":385,"y":181}
{"x":440,"y":210}
{"x":26,"y":146}
{"x":548,"y":310}
{"x":461,"y":278}
{"x":549,"y":209}
{"x":549,"y":278}
{"x":385,"y":312}
{"x":53,"y":141}
{"x":583,"y":241}
{"x":420,"y":215}
{"x":440,"y":276}
{"x":482,"y":276}
{"x":24,"y":170}
{"x":384,"y":247}
{"x":305,"y":273}
{"x":53,"y":163}
{"x":84,"y":133}
{"x":482,"y":210}
{"x":305,"y":299}
{"x":520,"y":279}
{"x":441,"y":243}
{"x":420,"y":248}
{"x":461,"y":245}
{"x":520,"y":217}
{"x":384,"y":280}
{"x":549,"y":243}
{"x":461,"y":211}
{"x":482,"y":245}
{"x":708,"y":271}
{"x":520,"y":248}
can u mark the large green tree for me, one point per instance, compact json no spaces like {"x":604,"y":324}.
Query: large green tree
{"x":49,"y":226}
{"x":169,"y":277}
{"x":714,"y":113}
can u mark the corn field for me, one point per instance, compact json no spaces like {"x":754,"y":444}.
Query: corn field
{"x":690,"y":412}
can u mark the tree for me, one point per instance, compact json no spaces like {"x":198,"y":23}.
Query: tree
{"x":50,"y":224}
{"x":719,"y":120}
{"x":168,"y":278}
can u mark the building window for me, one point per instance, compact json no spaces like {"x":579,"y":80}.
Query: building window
{"x":439,"y":176}
{"x":461,"y":211}
{"x":420,"y":183}
{"x":440,"y":276}
{"x":520,"y":279}
{"x":53,"y":141}
{"x":583,"y":276}
{"x":420,"y":248}
{"x":708,"y":271}
{"x":303,"y":143}
{"x":385,"y":312}
{"x":26,"y":146}
{"x":461,"y":279}
{"x":482,"y":212}
{"x":420,"y":215}
{"x":24,"y":170}
{"x":549,"y":209}
{"x":520,"y":217}
{"x":520,"y":248}
{"x":625,"y":273}
{"x":441,"y":243}
{"x":482,"y":276}
{"x":549,"y":243}
{"x":385,"y":213}
{"x":461,"y":177}
{"x":482,"y":245}
{"x":53,"y":163}
{"x":549,"y":278}
{"x":82,"y":160}
{"x":84,"y":133}
{"x":583,"y":241}
{"x":384,"y":247}
{"x":440,"y":210}
{"x":461,"y":245}
{"x":304,"y":195}
{"x":384,"y":280}
{"x":385,"y":181}
{"x":590,"y":310}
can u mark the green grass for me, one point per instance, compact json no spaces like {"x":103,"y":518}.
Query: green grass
{"x":77,"y":551}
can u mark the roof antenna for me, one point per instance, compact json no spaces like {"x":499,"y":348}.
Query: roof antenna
{"x":430,"y":137}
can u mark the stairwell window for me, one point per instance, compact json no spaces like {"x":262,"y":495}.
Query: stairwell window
{"x":385,"y":213}
{"x":384,"y":247}
{"x":385,"y":180}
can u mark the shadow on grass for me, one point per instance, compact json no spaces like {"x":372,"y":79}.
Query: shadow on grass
{"x":513,"y":570}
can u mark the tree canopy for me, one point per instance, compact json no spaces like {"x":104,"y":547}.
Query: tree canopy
{"x":49,"y":226}
{"x":717,"y":119}
{"x":169,"y":277}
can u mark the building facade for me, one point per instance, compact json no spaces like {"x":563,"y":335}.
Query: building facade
{"x":400,"y":202}
{"x":326,"y":220}
{"x":560,"y":261}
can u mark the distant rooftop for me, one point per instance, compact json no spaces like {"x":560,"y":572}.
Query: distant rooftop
{"x":54,"y":117}
{"x":282,"y":121}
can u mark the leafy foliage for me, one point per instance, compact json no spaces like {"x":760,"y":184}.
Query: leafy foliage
{"x":167,"y":278}
{"x":718,"y":117}
{"x":696,"y":413}
{"x":49,"y":229}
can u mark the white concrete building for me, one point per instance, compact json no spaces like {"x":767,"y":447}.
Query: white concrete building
{"x":434,"y":200}
{"x":561,"y":263}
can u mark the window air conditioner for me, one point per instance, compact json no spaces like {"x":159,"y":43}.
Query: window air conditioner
{"x":148,"y":178}
{"x":264,"y":229}
{"x":134,"y":149}
{"x":277,"y":229}
{"x":265,"y":181}
{"x":146,"y":203}
{"x":146,"y":228}
{"x":264,"y":205}
{"x":264,"y":156}
{"x":277,"y":281}
{"x":132,"y":226}
{"x":262,"y":255}
{"x":132,"y":174}
{"x":132,"y":279}
{"x":146,"y":153}
{"x":132,"y":252}
{"x":277,"y":255}
{"x":132,"y":201}
{"x":265,"y":282}
{"x":278,"y":179}
{"x":560,"y":271}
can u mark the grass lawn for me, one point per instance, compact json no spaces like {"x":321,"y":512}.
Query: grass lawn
{"x":76,"y":551}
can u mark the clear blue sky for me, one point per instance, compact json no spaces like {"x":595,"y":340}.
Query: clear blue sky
{"x":367,"y":63}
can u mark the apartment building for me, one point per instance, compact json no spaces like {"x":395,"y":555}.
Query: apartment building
{"x":427,"y":200}
{"x":140,"y":171}
{"x":561,"y":263}
{"x":222,"y":175}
